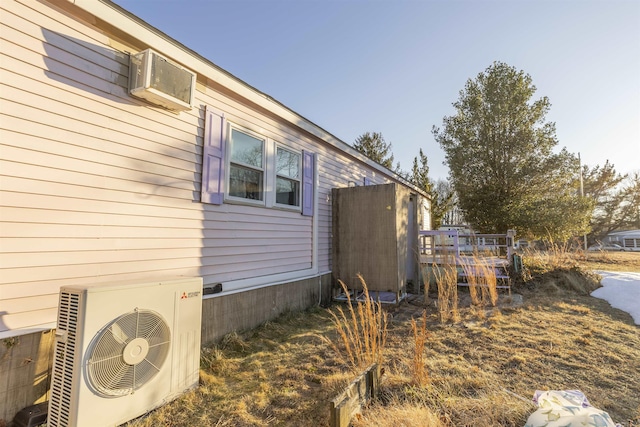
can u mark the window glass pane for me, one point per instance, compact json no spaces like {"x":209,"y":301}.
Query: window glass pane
{"x":288,"y":163}
{"x":246,"y":149}
{"x":245,"y":182}
{"x":287,"y":192}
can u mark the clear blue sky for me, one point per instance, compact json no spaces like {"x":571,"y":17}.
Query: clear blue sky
{"x":396,"y":66}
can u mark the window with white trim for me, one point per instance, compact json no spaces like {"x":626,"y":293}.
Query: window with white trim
{"x":240,"y":165}
{"x":246,"y":166}
{"x":288,"y":166}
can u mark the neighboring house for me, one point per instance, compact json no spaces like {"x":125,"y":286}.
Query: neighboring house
{"x":628,"y":239}
{"x":97,"y":185}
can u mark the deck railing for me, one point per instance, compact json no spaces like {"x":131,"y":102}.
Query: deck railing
{"x":468,"y":253}
{"x":451,"y":242}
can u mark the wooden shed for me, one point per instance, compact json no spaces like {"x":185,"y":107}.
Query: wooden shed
{"x":375,"y":235}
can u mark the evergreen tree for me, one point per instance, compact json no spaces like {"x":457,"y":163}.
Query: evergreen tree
{"x":499,"y":149}
{"x":376,"y":148}
{"x":441,"y":194}
{"x":420,"y":173}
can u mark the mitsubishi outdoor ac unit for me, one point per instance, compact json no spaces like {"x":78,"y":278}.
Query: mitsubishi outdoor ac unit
{"x":161,"y":81}
{"x":123,"y":349}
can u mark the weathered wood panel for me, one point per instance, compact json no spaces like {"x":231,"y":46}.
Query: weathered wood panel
{"x":357,"y":394}
{"x":366,"y":238}
{"x":24,"y":372}
{"x":372,"y":237}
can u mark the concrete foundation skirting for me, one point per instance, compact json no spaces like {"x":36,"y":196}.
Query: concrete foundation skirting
{"x":245,"y":310}
{"x":25,"y":361}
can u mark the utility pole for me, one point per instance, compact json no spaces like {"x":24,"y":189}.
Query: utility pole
{"x":582,"y":194}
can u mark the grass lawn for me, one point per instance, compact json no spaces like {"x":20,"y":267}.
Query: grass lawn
{"x":482,"y":369}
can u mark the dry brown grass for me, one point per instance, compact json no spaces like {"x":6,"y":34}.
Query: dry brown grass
{"x":272,"y":375}
{"x":446,"y":277}
{"x":611,"y":261}
{"x":362,"y":332}
{"x":482,"y":281}
{"x":398,"y":413}
{"x":284,"y":373}
{"x":562,"y":258}
{"x":419,"y":371}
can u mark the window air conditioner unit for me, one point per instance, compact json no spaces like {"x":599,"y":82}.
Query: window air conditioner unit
{"x":161,"y":81}
{"x":122,"y":349}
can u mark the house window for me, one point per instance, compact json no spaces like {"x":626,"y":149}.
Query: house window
{"x":287,"y":177}
{"x":246,"y":166}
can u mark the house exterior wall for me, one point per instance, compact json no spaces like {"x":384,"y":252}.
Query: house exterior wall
{"x":628,"y":239}
{"x":98,"y":186}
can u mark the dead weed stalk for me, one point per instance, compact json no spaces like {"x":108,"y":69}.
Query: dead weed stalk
{"x":447,"y":281}
{"x":362,"y":331}
{"x":482,"y":281}
{"x":419,"y":371}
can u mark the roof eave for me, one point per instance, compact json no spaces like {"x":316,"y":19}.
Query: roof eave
{"x":150,"y":36}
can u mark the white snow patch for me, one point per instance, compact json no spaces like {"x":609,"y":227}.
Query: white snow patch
{"x":621,"y":289}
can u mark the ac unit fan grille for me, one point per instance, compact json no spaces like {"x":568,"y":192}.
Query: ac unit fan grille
{"x":170,"y":79}
{"x":128,"y":352}
{"x":60,"y":399}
